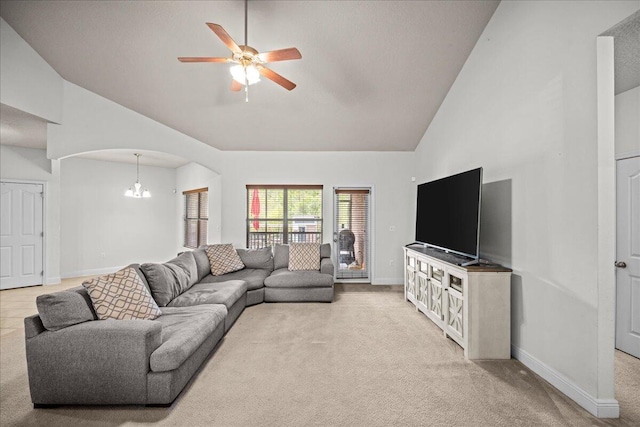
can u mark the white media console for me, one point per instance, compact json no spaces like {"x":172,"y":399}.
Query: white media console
{"x":472,"y":304}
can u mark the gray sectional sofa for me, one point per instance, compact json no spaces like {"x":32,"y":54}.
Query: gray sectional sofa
{"x":80,"y":360}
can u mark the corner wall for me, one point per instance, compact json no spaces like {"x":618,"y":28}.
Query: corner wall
{"x":524,"y":108}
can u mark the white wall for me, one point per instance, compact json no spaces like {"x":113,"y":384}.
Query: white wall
{"x":101,"y":229}
{"x":387,"y":172}
{"x":190,"y":177}
{"x":27,"y":82}
{"x":94,"y":123}
{"x":32,"y":165}
{"x":524,"y":108}
{"x":628,"y":122}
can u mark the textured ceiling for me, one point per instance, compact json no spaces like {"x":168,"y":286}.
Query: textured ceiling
{"x":372,"y":74}
{"x":626,"y":52}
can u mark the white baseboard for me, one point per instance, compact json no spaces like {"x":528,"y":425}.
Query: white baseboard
{"x":388,"y":281}
{"x":601,"y":408}
{"x":52,"y":280}
{"x":90,"y":272}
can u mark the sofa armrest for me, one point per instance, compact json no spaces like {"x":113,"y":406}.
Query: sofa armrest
{"x":96,"y":362}
{"x":326,"y":266}
{"x":33,"y":326}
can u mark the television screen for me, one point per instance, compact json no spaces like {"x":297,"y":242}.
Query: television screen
{"x":448,"y":213}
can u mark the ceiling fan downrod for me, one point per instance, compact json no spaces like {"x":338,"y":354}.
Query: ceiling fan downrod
{"x":246,"y":43}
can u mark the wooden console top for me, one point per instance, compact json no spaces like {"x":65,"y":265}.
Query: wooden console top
{"x":484,"y":266}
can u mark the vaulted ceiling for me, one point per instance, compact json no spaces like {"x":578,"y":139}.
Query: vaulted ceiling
{"x":372,"y":75}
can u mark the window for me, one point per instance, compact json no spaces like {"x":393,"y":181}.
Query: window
{"x":196,"y":217}
{"x":283,"y":214}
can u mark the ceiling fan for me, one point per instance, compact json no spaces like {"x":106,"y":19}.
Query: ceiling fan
{"x":249,"y":63}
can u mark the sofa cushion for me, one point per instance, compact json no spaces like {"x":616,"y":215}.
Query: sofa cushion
{"x":226,"y":293}
{"x":202,"y":262}
{"x":325,"y":250}
{"x":188,"y":264}
{"x":304,"y":256}
{"x":184,"y":329}
{"x":121,"y":296}
{"x":283,"y":278}
{"x":223,"y":259}
{"x":281,"y":255}
{"x":253,"y":276}
{"x":170,"y":279}
{"x":61,"y":309}
{"x":257,"y":258}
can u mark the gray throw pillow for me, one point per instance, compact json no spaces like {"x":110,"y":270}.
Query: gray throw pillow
{"x":257,"y":258}
{"x":65,"y":308}
{"x":166,"y":281}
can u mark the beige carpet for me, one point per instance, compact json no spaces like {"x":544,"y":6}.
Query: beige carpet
{"x":368,"y":359}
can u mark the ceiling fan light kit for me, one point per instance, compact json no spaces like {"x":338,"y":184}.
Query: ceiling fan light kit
{"x":242,"y":74}
{"x":248,"y":63}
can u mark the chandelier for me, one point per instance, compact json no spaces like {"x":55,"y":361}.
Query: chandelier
{"x":135,"y":192}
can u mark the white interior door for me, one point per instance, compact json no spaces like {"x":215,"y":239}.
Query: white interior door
{"x":628,"y":256}
{"x":21,"y":235}
{"x":351,"y":235}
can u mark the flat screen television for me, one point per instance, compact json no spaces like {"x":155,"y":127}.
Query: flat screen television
{"x":448,"y":213}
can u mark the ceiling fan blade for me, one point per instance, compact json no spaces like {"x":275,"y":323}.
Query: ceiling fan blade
{"x":224,"y":36}
{"x":202,"y":59}
{"x":272,"y":75}
{"x":235,"y":86}
{"x":280,"y":55}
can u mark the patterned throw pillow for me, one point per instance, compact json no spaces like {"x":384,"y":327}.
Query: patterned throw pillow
{"x":304,"y":256}
{"x":223,"y":259}
{"x":121,"y":296}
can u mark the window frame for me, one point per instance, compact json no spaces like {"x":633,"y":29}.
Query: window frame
{"x":198,"y":219}
{"x":285,"y":210}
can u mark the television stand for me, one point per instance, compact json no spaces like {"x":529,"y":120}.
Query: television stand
{"x":470,"y":303}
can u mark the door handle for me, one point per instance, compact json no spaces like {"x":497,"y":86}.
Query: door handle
{"x":620,"y":264}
